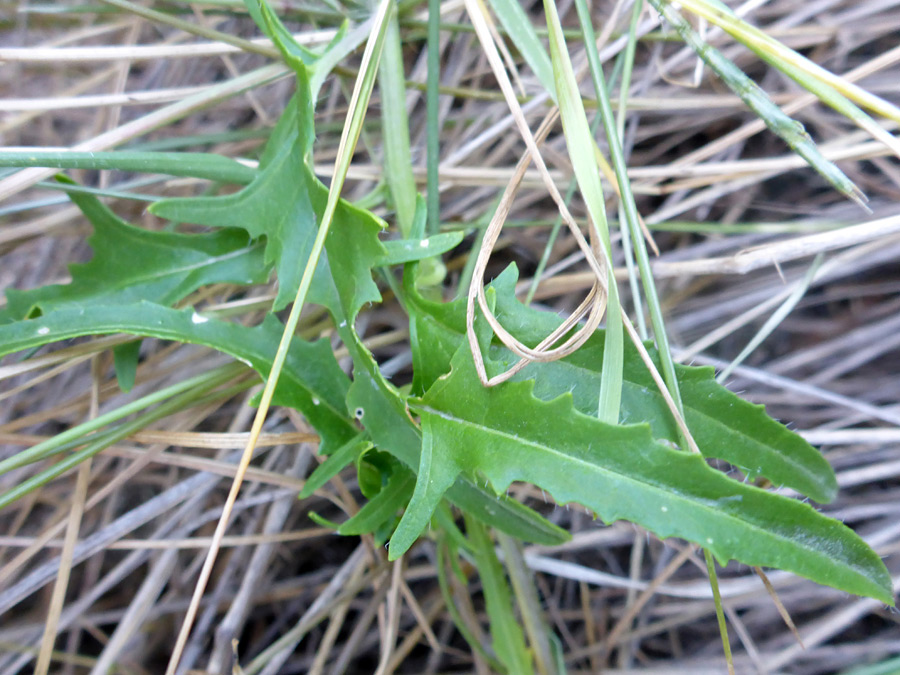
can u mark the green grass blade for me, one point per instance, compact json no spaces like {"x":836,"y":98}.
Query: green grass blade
{"x":530,"y":606}
{"x":448,"y":566}
{"x":789,"y":130}
{"x":554,"y":231}
{"x":508,"y":639}
{"x":201,"y":393}
{"x":78,"y":434}
{"x":581,"y":144}
{"x":627,"y":203}
{"x":432,"y":114}
{"x":190,"y":164}
{"x":627,"y":246}
{"x":516,"y":22}
{"x":778,"y":54}
{"x":777,"y":317}
{"x":395,"y":128}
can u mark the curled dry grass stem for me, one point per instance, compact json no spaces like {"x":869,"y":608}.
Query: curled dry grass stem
{"x":596,"y":257}
{"x":594,"y":303}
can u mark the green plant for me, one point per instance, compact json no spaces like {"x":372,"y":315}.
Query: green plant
{"x":599,"y":426}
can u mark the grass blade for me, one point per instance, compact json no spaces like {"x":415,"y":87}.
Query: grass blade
{"x":516,"y":22}
{"x":395,"y":128}
{"x":192,"y":164}
{"x":581,"y":144}
{"x":789,"y":130}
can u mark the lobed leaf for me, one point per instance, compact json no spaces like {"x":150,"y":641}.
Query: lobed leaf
{"x":724,"y":425}
{"x":131,"y":264}
{"x":505,"y":434}
{"x":384,"y":414}
{"x":285,"y":203}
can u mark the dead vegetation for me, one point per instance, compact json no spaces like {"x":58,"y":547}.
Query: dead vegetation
{"x":737,"y":218}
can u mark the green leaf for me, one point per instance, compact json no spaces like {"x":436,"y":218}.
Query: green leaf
{"x":410,"y":250}
{"x":125,"y":361}
{"x":384,"y":414}
{"x":724,"y":425}
{"x":345,"y":455}
{"x":132,"y":264}
{"x":312,"y":381}
{"x":505,"y":434}
{"x":508,"y":638}
{"x":285,"y":204}
{"x":382,"y":508}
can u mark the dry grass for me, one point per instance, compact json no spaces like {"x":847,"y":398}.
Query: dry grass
{"x":130,"y":529}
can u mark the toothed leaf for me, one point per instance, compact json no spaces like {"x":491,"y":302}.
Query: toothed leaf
{"x":505,"y":434}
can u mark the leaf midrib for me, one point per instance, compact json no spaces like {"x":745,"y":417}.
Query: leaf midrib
{"x":625,"y":478}
{"x":210,"y":261}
